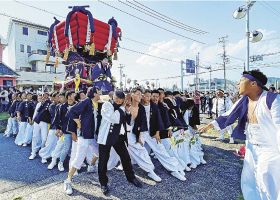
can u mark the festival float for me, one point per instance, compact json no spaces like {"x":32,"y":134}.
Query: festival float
{"x":87,"y":47}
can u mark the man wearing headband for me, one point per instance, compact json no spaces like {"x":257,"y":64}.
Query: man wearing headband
{"x":258,"y":111}
{"x":221,"y":104}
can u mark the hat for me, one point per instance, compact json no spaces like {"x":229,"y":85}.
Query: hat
{"x":119,"y":94}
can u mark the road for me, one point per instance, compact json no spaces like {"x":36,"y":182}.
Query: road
{"x":219,"y":179}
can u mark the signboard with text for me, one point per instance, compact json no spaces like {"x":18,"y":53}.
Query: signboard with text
{"x":190,"y":66}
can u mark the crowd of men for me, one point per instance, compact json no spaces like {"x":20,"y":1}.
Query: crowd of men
{"x":142,"y":124}
{"x":138,"y":125}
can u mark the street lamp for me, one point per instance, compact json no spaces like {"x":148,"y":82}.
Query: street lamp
{"x":255,"y":36}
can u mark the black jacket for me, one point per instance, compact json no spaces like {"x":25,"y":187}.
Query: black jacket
{"x":85,"y":111}
{"x":165,"y":118}
{"x":155,"y":122}
{"x":140,"y":122}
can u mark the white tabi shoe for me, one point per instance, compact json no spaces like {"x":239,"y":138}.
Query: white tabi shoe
{"x":67,"y":187}
{"x":182,"y":173}
{"x":91,"y":169}
{"x":52,"y":164}
{"x":188,"y":169}
{"x":153,"y":176}
{"x":60,"y":166}
{"x":178,"y":176}
{"x":32,"y":156}
{"x":44,"y":160}
{"x":193,"y":166}
{"x":24,"y":145}
{"x":202,"y":161}
{"x":119,"y":167}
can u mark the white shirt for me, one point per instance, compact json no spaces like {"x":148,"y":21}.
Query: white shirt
{"x":148,"y":111}
{"x":221,"y":105}
{"x":109,"y":116}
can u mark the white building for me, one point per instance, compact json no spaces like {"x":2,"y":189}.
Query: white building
{"x":26,"y":52}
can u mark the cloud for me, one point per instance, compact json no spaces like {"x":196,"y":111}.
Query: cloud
{"x":172,"y":49}
{"x":209,"y":55}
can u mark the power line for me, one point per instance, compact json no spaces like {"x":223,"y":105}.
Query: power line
{"x":139,"y":52}
{"x":153,"y":15}
{"x":266,"y":5}
{"x":49,"y":12}
{"x":160,"y":27}
{"x":37,"y":8}
{"x":131,"y":50}
{"x":272,"y":8}
{"x":166,"y":17}
{"x":16,"y":18}
{"x":145,"y":44}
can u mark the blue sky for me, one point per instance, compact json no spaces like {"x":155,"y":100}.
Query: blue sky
{"x":214,"y":17}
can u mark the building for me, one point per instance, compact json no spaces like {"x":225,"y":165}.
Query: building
{"x":216,"y":83}
{"x":7,"y":75}
{"x":26,"y":52}
{"x":273,"y":81}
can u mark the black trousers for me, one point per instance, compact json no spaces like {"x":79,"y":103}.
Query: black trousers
{"x":104,"y":154}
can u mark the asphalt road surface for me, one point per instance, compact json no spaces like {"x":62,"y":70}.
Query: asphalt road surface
{"x":219,"y":179}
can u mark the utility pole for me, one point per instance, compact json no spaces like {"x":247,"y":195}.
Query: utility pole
{"x":210,"y":71}
{"x":196,"y":72}
{"x":182,"y":75}
{"x":121,"y":74}
{"x":225,"y":58}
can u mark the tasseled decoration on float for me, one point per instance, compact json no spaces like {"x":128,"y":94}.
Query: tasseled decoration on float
{"x":109,"y":52}
{"x":48,"y":55}
{"x":92,"y":48}
{"x":56,"y":61}
{"x":116,"y":54}
{"x":66,"y":53}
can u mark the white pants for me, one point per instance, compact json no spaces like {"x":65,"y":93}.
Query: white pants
{"x":28,"y":134}
{"x":73,"y":153}
{"x":85,"y":150}
{"x":21,"y":133}
{"x":181,"y":151}
{"x":196,"y":152}
{"x":169,"y":162}
{"x":172,"y":151}
{"x":46,"y":152}
{"x":63,"y":147}
{"x":40,"y":134}
{"x":15,"y":126}
{"x":138,"y":153}
{"x":9,"y":128}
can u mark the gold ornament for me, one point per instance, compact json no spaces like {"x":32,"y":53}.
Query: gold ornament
{"x":77,"y":81}
{"x":92,"y":49}
{"x":66,"y":53}
{"x":56,"y":61}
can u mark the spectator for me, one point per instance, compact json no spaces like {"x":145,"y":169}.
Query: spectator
{"x":4,"y":95}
